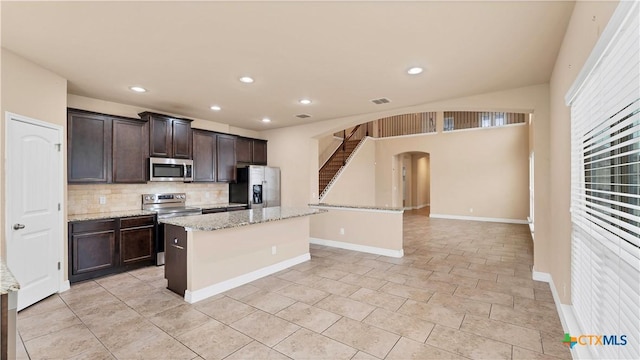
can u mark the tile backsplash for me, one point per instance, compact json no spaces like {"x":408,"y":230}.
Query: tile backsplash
{"x":85,"y":199}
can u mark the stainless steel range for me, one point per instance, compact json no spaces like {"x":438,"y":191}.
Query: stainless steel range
{"x":167,"y":206}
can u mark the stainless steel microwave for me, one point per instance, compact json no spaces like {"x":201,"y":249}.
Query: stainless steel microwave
{"x":161,"y":169}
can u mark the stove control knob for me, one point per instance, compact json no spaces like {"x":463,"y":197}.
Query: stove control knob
{"x":147,"y":198}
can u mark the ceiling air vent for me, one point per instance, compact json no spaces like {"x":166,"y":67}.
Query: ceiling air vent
{"x":381,"y":101}
{"x":303,"y":116}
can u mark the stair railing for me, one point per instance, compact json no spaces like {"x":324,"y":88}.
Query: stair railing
{"x":341,"y":150}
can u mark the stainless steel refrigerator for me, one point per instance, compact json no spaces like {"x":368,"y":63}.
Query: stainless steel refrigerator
{"x":258,"y":186}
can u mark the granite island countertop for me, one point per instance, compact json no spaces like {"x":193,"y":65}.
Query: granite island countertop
{"x":358,"y":207}
{"x":7,"y":281}
{"x":109,"y":215}
{"x":227,"y":220}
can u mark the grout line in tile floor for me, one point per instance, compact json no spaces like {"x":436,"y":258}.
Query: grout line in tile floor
{"x":459,"y":286}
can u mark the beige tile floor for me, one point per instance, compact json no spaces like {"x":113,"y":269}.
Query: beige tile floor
{"x":462,"y":290}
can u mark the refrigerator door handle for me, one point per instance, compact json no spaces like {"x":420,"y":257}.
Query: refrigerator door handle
{"x":265,"y":200}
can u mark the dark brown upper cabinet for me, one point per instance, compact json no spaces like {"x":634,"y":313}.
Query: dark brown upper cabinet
{"x":106,"y":149}
{"x":169,"y":137}
{"x":259,"y":152}
{"x":226,"y":156}
{"x":244,"y":149}
{"x":214,"y":157}
{"x":251,"y":151}
{"x":204,"y":156}
{"x":130,"y":151}
{"x":88,"y":147}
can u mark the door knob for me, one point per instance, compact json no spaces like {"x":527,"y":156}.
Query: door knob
{"x":18,"y":226}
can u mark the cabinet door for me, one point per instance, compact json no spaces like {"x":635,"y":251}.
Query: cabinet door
{"x":159,"y":136}
{"x":130,"y":151}
{"x":204,"y":156}
{"x":243,"y":150}
{"x":226,"y":156}
{"x":181,"y":130}
{"x":259,"y":150}
{"x":88,"y":148}
{"x":93,"y":251}
{"x":136,"y":245}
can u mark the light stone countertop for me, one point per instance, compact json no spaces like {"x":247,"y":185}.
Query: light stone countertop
{"x":359,"y":207}
{"x":7,"y":281}
{"x":109,"y":215}
{"x":233,"y":219}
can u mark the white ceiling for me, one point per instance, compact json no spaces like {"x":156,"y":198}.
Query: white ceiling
{"x":339,"y":54}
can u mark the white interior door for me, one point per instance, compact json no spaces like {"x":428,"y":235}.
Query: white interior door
{"x":33,"y":222}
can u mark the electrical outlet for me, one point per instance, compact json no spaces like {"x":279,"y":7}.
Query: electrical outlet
{"x":274,"y":250}
{"x":341,"y":231}
{"x":103,"y":200}
{"x":206,"y":194}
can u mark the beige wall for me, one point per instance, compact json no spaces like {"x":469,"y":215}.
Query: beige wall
{"x":479,"y":173}
{"x":367,"y":228}
{"x":112,"y":108}
{"x":327,"y":145}
{"x":32,"y":91}
{"x":406,"y":188}
{"x":421,"y":181}
{"x":587,"y":22}
{"x":85,"y":199}
{"x":356,"y":184}
{"x":296,"y":153}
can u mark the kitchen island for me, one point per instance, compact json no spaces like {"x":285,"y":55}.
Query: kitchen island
{"x":210,"y":254}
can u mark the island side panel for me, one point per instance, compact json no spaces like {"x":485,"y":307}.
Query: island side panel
{"x":175,"y":268}
{"x":225,"y":255}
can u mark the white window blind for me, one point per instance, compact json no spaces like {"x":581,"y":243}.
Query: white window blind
{"x":605,"y":193}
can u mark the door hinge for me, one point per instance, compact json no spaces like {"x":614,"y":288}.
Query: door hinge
{"x":58,"y":146}
{"x":59,"y":207}
{"x":58,"y":265}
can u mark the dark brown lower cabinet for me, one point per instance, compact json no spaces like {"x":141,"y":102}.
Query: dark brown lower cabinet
{"x":108,"y":246}
{"x":136,"y":240}
{"x":175,"y":261}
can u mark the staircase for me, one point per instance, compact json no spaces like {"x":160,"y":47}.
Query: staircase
{"x":339,"y":159}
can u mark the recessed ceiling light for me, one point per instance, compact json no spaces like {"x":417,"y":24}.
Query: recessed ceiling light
{"x":415,"y":70}
{"x":215,"y":108}
{"x":304,"y":101}
{"x":138,"y":89}
{"x":246,"y":79}
{"x":266,"y":120}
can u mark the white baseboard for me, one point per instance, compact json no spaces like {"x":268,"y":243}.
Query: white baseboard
{"x":566,"y":314}
{"x":474,"y":218}
{"x":416,"y":207}
{"x":201,"y":294}
{"x":356,"y":247}
{"x":64,"y":286}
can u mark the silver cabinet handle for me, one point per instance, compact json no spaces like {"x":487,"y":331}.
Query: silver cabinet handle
{"x":18,"y":226}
